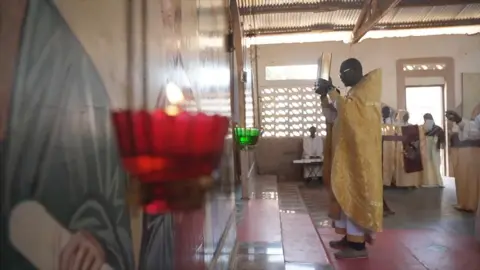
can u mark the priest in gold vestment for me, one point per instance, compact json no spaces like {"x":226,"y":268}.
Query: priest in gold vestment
{"x":356,"y":169}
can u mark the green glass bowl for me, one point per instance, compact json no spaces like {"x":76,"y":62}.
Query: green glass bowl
{"x":247,"y":136}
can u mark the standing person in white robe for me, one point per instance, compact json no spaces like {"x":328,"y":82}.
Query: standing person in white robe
{"x":469,"y":130}
{"x":388,"y":147}
{"x":435,"y":141}
{"x":388,"y":155}
{"x":312,"y":148}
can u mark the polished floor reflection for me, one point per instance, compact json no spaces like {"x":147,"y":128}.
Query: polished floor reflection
{"x":275,"y":230}
{"x":285,"y":226}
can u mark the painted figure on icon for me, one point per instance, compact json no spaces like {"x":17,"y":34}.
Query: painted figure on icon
{"x":62,"y":182}
{"x":63,"y":201}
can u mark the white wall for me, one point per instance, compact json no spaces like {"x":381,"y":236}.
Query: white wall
{"x":379,"y":53}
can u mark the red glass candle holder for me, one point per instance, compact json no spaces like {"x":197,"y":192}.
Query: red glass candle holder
{"x":157,"y":148}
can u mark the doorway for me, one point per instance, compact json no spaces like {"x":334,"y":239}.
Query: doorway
{"x":427,"y":99}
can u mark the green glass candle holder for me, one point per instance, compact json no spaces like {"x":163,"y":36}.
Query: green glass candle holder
{"x":247,"y":137}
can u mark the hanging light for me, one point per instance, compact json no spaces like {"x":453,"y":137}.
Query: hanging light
{"x":169,"y":151}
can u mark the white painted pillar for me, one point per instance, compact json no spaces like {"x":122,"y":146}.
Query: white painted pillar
{"x":244,"y":170}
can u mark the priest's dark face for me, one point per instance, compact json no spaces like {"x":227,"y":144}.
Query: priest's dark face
{"x":351,"y":72}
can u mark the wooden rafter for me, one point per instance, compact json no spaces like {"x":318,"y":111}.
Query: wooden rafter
{"x":337,"y":5}
{"x":372,"y":12}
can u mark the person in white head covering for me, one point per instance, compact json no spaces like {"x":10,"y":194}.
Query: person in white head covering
{"x":435,"y":141}
{"x":468,"y":129}
{"x":402,"y":118}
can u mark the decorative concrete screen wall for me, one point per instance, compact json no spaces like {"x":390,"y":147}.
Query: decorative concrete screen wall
{"x":288,"y":104}
{"x":290,"y":111}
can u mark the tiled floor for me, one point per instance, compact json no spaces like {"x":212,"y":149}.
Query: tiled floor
{"x":276,"y":232}
{"x":285,"y":226}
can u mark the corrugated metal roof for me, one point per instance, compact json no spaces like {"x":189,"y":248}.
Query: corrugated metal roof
{"x":258,"y":3}
{"x":344,"y":19}
{"x":428,"y":14}
{"x":300,"y":19}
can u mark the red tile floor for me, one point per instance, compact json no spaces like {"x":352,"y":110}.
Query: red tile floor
{"x":285,"y":226}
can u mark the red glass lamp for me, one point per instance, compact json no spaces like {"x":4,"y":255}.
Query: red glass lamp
{"x":170,"y":151}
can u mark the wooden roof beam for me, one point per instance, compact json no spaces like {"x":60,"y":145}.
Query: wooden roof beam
{"x":335,"y":5}
{"x":372,"y":12}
